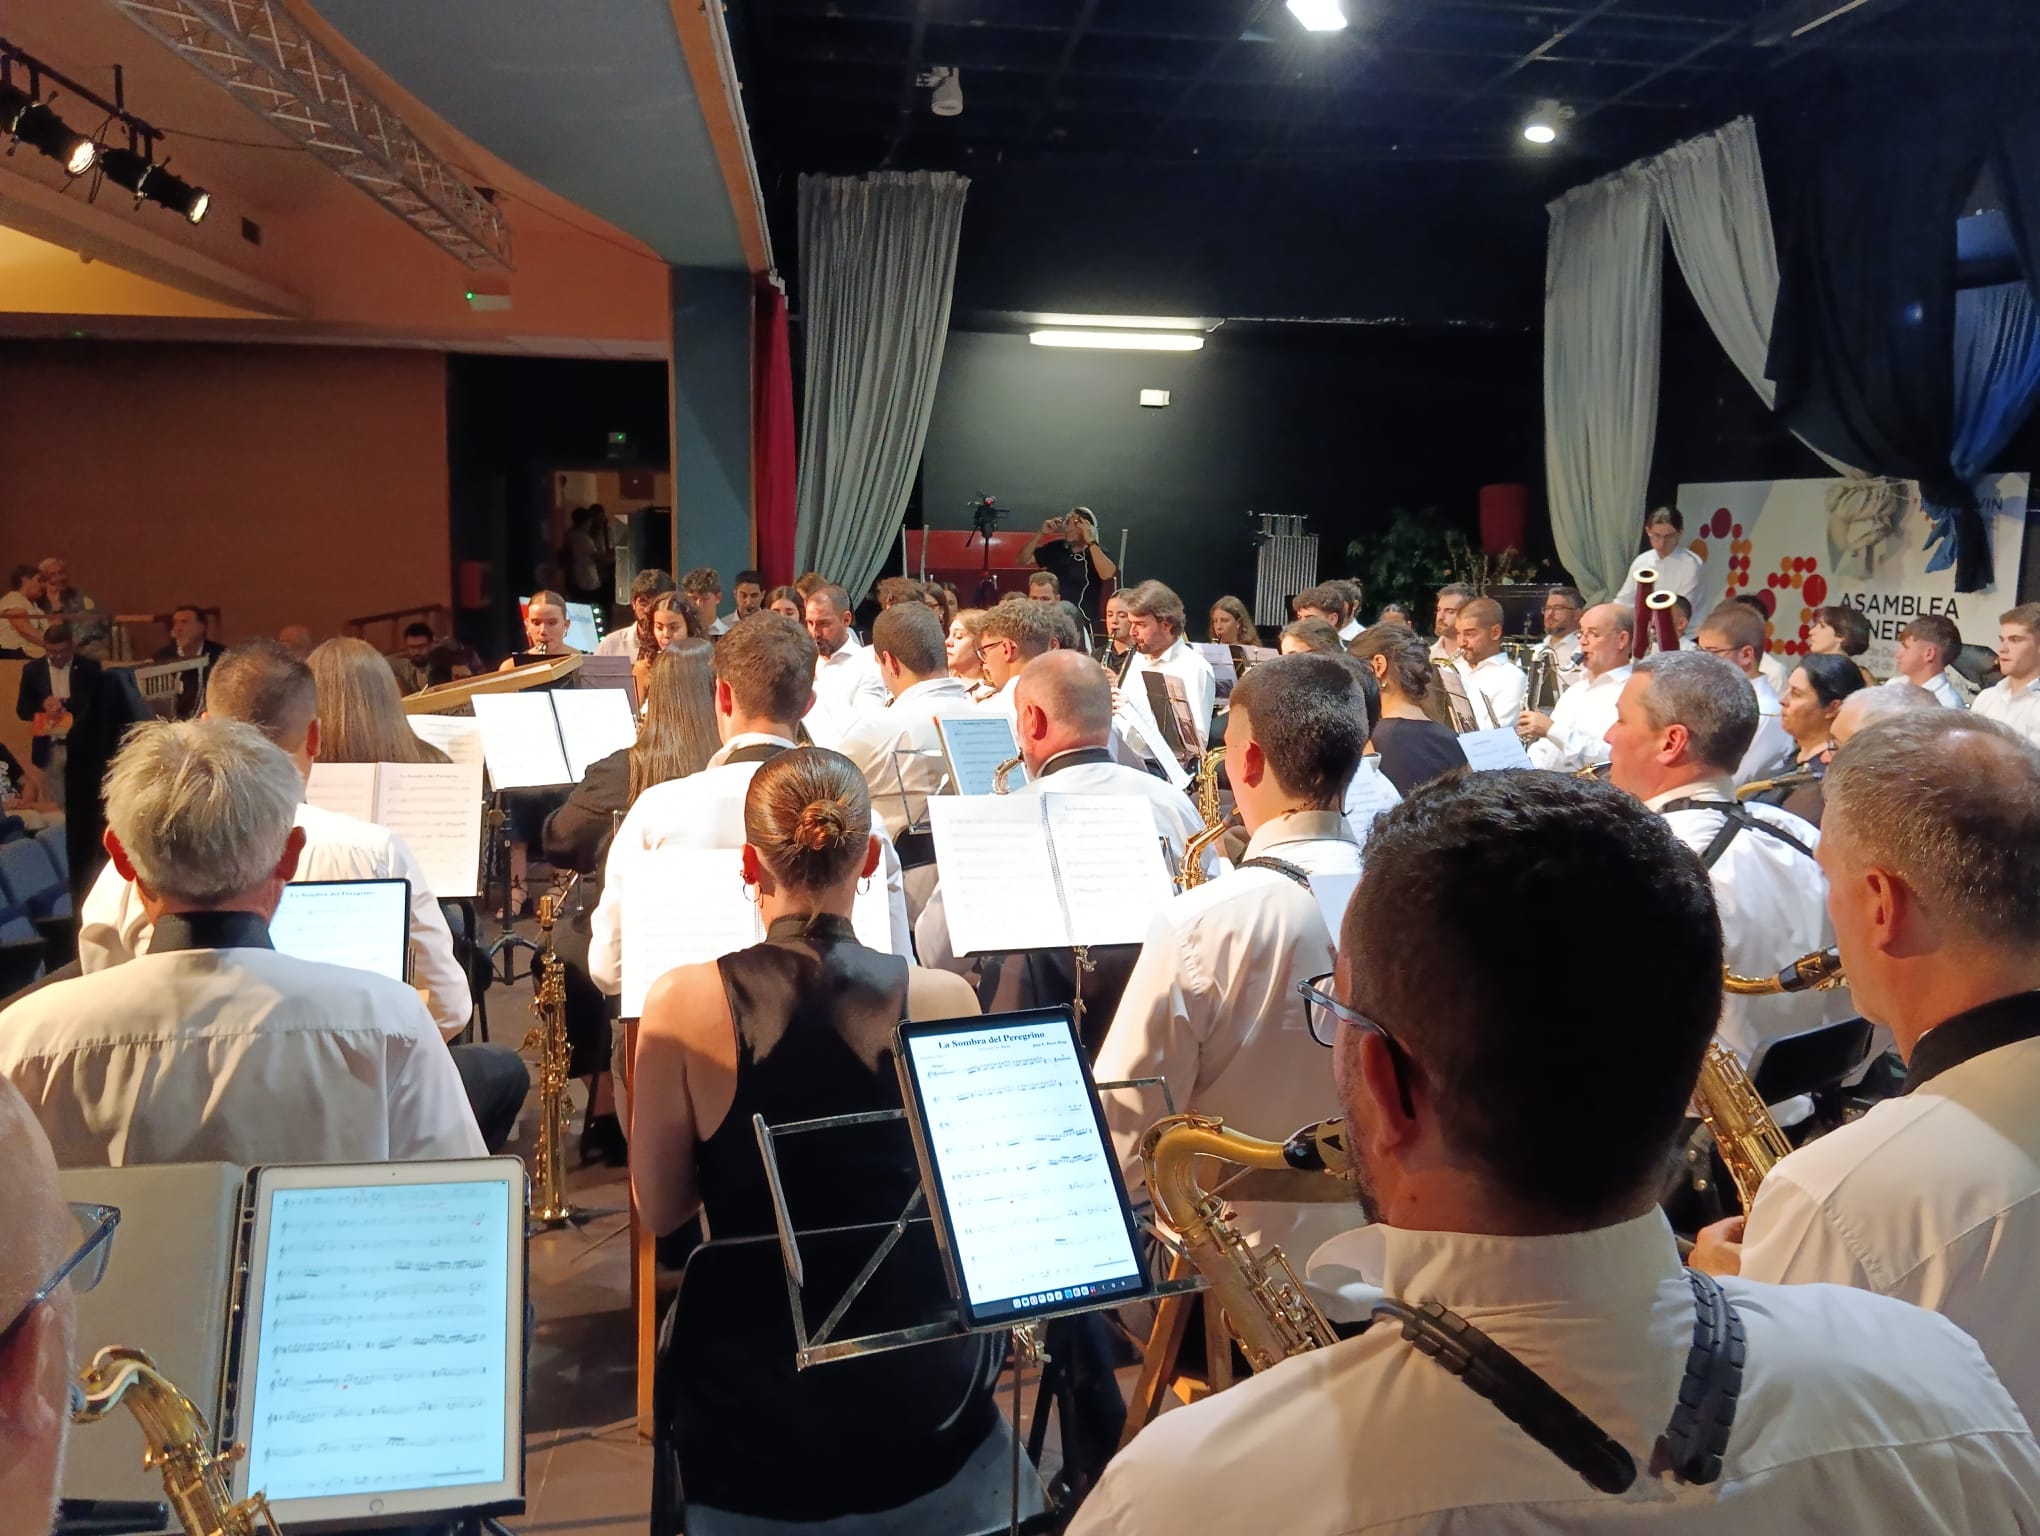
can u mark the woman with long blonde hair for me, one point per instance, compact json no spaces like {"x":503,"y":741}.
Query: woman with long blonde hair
{"x":361,"y":712}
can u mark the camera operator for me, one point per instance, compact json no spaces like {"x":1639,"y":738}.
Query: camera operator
{"x":1068,"y":547}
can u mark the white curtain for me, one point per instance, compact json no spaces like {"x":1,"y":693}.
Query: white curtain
{"x":877,"y":264}
{"x":1712,"y":192}
{"x":1603,"y":300}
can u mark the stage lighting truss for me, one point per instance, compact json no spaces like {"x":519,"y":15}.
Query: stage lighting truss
{"x":262,"y":56}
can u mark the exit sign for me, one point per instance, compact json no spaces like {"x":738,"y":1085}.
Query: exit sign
{"x":619,"y":445}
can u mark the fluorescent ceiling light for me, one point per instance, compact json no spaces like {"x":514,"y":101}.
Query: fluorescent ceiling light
{"x":1127,"y":322}
{"x":1319,"y":15}
{"x":1119,"y":341}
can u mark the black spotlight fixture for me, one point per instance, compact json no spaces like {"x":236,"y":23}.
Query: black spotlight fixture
{"x":25,"y":120}
{"x":142,"y":176}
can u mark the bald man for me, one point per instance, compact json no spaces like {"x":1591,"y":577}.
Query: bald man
{"x":35,"y":1362}
{"x":1574,"y":735}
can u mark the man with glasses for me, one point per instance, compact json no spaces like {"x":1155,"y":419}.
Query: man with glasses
{"x":1574,"y":735}
{"x":1211,"y":1006}
{"x":1735,"y":633}
{"x":1563,"y":608}
{"x":1013,"y":633}
{"x":1515,"y":1228}
{"x":52,"y":1251}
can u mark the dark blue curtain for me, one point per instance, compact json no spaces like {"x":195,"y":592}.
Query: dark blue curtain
{"x":1874,"y":164}
{"x":1997,"y":378}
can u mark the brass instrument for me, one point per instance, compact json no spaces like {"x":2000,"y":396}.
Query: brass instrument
{"x":546,"y":1202}
{"x":1820,"y":971}
{"x":1791,"y":780}
{"x":1263,"y":1303}
{"x":1001,"y":773}
{"x":178,"y":1444}
{"x":1204,"y":785}
{"x":1204,"y":791}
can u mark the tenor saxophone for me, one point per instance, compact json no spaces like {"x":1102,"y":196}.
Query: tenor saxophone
{"x":546,"y":1201}
{"x":1204,"y":790}
{"x":177,"y":1441}
{"x":1264,"y":1304}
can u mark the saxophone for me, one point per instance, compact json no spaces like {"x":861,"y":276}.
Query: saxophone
{"x":1264,"y":1304}
{"x":178,"y":1444}
{"x":1003,"y":772}
{"x":546,"y":1201}
{"x":1728,"y":1102}
{"x":1204,"y":790}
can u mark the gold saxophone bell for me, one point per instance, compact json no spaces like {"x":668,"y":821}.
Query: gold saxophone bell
{"x":546,"y":1196}
{"x":177,"y":1441}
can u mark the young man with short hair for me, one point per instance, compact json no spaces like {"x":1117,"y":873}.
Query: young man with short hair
{"x":1452,"y":597}
{"x":702,"y":588}
{"x":1678,"y":570}
{"x":2014,"y":700}
{"x":1013,"y":633}
{"x":749,"y":591}
{"x":1495,"y":685}
{"x":1925,"y":648}
{"x":1155,"y":622}
{"x":1736,"y":633}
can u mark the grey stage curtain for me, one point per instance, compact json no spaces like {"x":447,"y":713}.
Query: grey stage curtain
{"x":877,"y":263}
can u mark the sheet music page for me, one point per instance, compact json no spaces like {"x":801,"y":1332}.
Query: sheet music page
{"x":1334,"y":893}
{"x":998,"y":881}
{"x":347,"y":789}
{"x":594,"y":722}
{"x":380,"y":1362}
{"x":686,"y":905}
{"x":436,"y":808}
{"x":1223,"y":672}
{"x":1110,"y":864}
{"x":975,"y":746}
{"x":458,"y":736}
{"x":363,"y":924}
{"x":1138,"y":732}
{"x":521,"y":740}
{"x":1160,"y":707}
{"x":1500,"y":747}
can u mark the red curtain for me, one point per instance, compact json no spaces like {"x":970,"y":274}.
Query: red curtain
{"x":772,"y":438}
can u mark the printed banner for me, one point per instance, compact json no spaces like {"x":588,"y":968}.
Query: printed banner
{"x":1799,"y":545}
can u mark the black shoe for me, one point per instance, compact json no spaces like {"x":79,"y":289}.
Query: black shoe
{"x":602,"y":1141}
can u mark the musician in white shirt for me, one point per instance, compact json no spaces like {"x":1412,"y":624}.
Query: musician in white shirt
{"x":1575,"y":734}
{"x":1337,"y":603}
{"x":1681,"y":719}
{"x":764,"y":684}
{"x":1452,"y":597}
{"x":646,"y":588}
{"x":1495,"y":685}
{"x":1155,"y":626}
{"x":1679,"y":571}
{"x":1010,"y":635}
{"x":1507,"y":1186}
{"x":1926,"y":647}
{"x":2014,"y":700}
{"x":1212,"y":1006}
{"x":846,"y":674}
{"x":1562,"y":610}
{"x":1929,"y":843}
{"x":212,"y":1047}
{"x":40,"y":1319}
{"x":1735,"y":633}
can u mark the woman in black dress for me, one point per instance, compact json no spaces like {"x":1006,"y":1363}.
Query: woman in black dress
{"x":1414,"y":747}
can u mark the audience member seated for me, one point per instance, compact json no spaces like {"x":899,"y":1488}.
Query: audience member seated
{"x":1212,"y":1006}
{"x":797,"y":1027}
{"x":764,"y":684}
{"x":90,"y":626}
{"x":189,"y":640}
{"x":38,"y":1318}
{"x":635,"y":639}
{"x":410,"y":667}
{"x":211,"y":1047}
{"x":1011,"y":635}
{"x":1231,"y":624}
{"x":1414,"y":746}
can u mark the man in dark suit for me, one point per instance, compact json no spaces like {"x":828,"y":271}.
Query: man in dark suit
{"x":49,"y":685}
{"x":188,"y":638}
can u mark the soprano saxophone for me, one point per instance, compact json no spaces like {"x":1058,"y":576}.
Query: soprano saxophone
{"x":1728,"y":1102}
{"x":546,"y":1201}
{"x":178,"y":1444}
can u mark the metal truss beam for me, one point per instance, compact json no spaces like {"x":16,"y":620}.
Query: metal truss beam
{"x":259,"y":53}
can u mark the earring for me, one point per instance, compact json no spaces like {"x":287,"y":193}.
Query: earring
{"x":864,"y":885}
{"x":750,"y":892}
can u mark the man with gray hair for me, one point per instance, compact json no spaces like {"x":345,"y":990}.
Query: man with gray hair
{"x":37,"y":1319}
{"x":1867,"y":706}
{"x":1682,"y":723}
{"x":212,"y":1047}
{"x":1931,"y":844}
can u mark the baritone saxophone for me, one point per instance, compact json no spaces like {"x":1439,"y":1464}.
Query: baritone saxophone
{"x":1728,"y":1102}
{"x":177,"y":1441}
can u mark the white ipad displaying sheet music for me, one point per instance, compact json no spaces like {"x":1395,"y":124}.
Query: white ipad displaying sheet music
{"x":1047,"y":871}
{"x":536,"y":739}
{"x":436,"y":808}
{"x":381,"y":1367}
{"x":362,"y":924}
{"x":974,"y":746}
{"x":1028,"y":1203}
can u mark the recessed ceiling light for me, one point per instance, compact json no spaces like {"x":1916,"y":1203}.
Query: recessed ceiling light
{"x":1545,"y":119}
{"x":1119,"y":341}
{"x":1319,"y":15}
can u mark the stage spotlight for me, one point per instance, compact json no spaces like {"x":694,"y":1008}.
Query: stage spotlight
{"x":1544,"y":122}
{"x":948,"y":98}
{"x":146,"y":179}
{"x":1319,"y":15}
{"x":31,"y":122}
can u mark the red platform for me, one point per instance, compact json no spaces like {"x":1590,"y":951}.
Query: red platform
{"x":958,"y":556}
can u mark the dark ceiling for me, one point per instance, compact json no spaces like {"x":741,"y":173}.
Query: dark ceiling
{"x":830,"y":84}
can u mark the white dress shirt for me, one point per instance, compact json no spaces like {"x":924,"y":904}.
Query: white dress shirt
{"x":1934,"y":1198}
{"x":2014,"y":705}
{"x":1564,"y":651}
{"x":1772,"y":671}
{"x":113,"y":928}
{"x":1578,"y":737}
{"x":235,"y":1056}
{"x":847,"y":687}
{"x":1000,"y":700}
{"x":723,"y":625}
{"x":1770,"y":743}
{"x":1679,"y":572}
{"x":1212,"y":1008}
{"x":1496,"y":689}
{"x":1857,"y":1413}
{"x":703,"y":810}
{"x":900,"y":786}
{"x":1200,"y":686}
{"x":1773,"y":904}
{"x":619,"y":642}
{"x":1945,"y":692}
{"x":1350,"y":631}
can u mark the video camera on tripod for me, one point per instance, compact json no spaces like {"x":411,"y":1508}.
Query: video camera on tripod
{"x":985,"y":513}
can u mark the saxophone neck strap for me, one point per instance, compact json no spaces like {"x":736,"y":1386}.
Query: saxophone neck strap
{"x":1693,"y":1442}
{"x":1282,"y":867}
{"x":756,"y":752}
{"x":1735,"y":818}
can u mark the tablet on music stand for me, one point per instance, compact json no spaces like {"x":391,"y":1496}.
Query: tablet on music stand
{"x":1029,"y":1210}
{"x":364,"y":924}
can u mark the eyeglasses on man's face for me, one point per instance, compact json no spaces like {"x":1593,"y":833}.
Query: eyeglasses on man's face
{"x":1324,"y":1014}
{"x":85,"y":1267}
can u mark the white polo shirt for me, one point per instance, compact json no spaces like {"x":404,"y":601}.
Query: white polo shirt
{"x":2016,"y":706}
{"x":1496,"y":688}
{"x":1945,"y":692}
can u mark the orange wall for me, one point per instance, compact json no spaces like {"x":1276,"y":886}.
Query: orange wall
{"x":281,"y":484}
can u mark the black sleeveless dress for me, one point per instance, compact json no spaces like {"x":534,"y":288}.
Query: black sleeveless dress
{"x":814,"y":1012}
